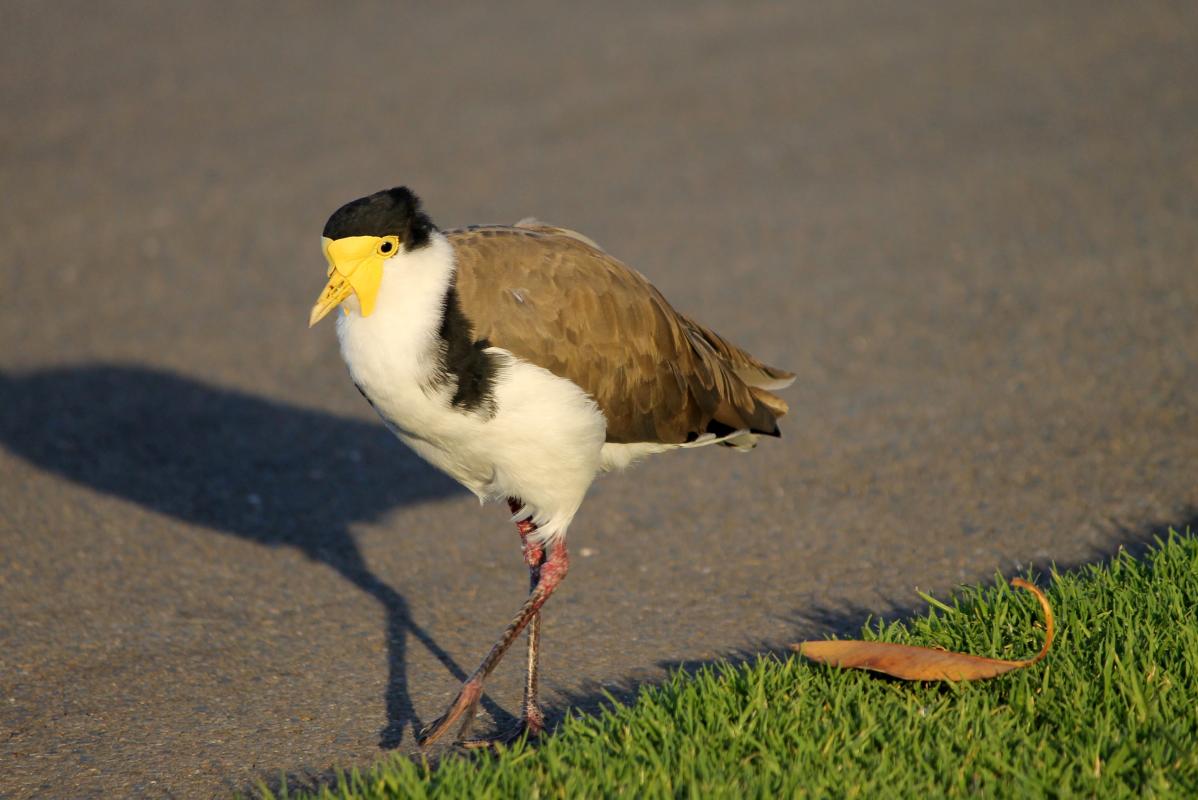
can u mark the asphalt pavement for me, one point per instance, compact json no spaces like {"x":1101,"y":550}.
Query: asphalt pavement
{"x":970,"y":228}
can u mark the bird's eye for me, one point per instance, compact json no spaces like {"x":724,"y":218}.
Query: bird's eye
{"x":386,"y":247}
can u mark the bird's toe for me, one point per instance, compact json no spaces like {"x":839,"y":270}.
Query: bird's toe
{"x":524,"y":729}
{"x":463,"y":708}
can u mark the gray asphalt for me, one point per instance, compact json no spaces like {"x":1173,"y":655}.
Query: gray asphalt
{"x":970,"y":228}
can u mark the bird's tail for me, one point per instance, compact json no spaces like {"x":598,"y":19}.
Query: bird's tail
{"x":751,"y":371}
{"x":777,"y":406}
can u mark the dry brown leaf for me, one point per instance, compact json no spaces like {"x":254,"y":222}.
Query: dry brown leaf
{"x":923,"y":663}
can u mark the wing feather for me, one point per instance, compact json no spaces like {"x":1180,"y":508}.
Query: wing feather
{"x":553,"y":297}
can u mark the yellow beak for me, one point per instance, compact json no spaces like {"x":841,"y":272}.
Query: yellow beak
{"x":355,"y":267}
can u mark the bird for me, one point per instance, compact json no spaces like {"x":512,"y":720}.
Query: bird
{"x":524,"y":361}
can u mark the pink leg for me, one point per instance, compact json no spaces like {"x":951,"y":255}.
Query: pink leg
{"x":534,"y":556}
{"x":545,"y":573}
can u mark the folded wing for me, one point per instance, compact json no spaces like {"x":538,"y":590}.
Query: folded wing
{"x":554,"y":298}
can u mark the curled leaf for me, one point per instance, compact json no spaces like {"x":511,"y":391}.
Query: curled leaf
{"x":923,"y":663}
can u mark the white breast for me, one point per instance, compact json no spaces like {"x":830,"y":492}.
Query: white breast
{"x":541,"y":438}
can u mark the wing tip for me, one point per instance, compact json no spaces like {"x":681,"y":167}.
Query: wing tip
{"x":771,"y":379}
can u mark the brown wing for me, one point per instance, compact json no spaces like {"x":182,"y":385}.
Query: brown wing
{"x":553,"y":298}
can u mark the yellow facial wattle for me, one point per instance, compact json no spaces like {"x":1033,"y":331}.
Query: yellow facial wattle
{"x":355,"y":267}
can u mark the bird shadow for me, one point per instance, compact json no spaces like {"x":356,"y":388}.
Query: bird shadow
{"x":266,"y":471}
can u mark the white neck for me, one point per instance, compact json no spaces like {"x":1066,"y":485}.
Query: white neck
{"x":401,"y":336}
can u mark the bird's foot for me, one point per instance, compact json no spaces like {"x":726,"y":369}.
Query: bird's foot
{"x":463,"y":707}
{"x":529,"y":728}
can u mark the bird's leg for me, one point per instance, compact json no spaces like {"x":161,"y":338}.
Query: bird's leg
{"x":551,"y":572}
{"x":532,"y":721}
{"x":534,"y":556}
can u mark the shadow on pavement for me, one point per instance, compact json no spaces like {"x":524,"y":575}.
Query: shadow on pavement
{"x":268,"y":472}
{"x":281,"y":475}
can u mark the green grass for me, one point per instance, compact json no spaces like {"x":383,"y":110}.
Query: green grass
{"x":1110,"y":713}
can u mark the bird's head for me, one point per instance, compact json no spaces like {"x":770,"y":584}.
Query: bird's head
{"x":360,"y":238}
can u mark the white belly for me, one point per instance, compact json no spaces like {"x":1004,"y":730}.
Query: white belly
{"x":539,"y":440}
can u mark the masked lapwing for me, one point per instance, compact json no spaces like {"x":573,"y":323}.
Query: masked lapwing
{"x":524,"y":361}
